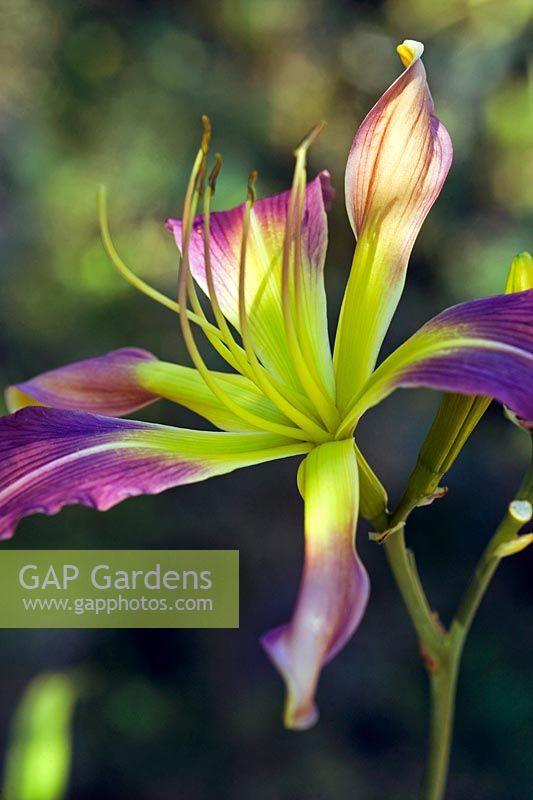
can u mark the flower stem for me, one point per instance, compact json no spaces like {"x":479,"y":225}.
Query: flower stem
{"x":441,"y":649}
{"x":402,"y":564}
{"x":443,"y":683}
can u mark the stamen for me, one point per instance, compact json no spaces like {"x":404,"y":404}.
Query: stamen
{"x":286,"y":396}
{"x":310,"y":137}
{"x":292,"y":397}
{"x":286,"y":399}
{"x":215,"y":172}
{"x":206,"y":138}
{"x":316,"y":431}
{"x":237,"y":352}
{"x":194,"y":191}
{"x":195,"y":188}
{"x":184,"y":280}
{"x":130,"y":276}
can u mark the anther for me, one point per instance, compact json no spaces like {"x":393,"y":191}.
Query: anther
{"x":252,"y":177}
{"x":199,"y":182}
{"x":213,"y":175}
{"x":206,"y":138}
{"x":310,"y":137}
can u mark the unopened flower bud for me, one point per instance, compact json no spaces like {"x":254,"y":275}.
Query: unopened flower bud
{"x":520,"y":276}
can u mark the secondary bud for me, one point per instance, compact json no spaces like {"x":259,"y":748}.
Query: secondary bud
{"x":520,"y":279}
{"x":520,"y":276}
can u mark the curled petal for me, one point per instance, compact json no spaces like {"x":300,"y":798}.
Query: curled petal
{"x":52,"y":458}
{"x":484,"y":347}
{"x":334,"y":588}
{"x":106,"y":384}
{"x":398,"y":160}
{"x":125,"y":380}
{"x":396,"y":168}
{"x":263,"y":271}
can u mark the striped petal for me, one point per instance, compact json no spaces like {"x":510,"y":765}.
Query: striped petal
{"x":106,"y":384}
{"x":396,"y":168}
{"x":484,"y":347}
{"x":263,"y":272}
{"x":334,"y":588}
{"x":52,"y":458}
{"x":123,"y":381}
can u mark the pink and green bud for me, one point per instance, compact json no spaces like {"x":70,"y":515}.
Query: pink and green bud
{"x":396,"y":168}
{"x":520,"y":276}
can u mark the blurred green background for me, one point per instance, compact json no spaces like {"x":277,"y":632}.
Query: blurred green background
{"x":113,"y":91}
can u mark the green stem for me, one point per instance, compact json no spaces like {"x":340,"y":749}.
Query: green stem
{"x":506,"y":531}
{"x":402,"y":564}
{"x":441,"y":649}
{"x":443,"y":684}
{"x":443,"y":681}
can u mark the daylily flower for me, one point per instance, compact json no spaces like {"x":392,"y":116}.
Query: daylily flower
{"x":261,"y":266}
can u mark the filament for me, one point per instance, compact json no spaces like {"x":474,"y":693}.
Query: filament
{"x":262,"y":382}
{"x":286,"y":400}
{"x":130,"y":276}
{"x":298,"y":408}
{"x":194,"y":189}
{"x":191,"y":201}
{"x":237,"y":352}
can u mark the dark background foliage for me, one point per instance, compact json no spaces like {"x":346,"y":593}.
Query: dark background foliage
{"x":113,"y":91}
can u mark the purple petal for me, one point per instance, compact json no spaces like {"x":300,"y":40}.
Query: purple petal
{"x":106,"y":384}
{"x":334,"y":588}
{"x":226,"y":235}
{"x":53,"y":458}
{"x":484,"y":347}
{"x":125,"y":380}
